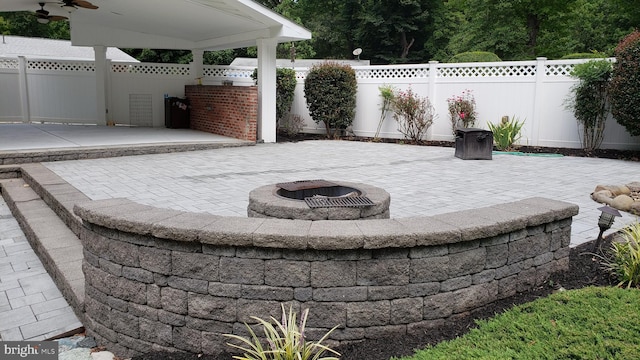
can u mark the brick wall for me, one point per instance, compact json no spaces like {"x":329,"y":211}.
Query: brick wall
{"x":224,"y":110}
{"x":155,"y":283}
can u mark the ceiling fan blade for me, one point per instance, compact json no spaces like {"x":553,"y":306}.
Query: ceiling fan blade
{"x":57,"y":18}
{"x":84,"y":4}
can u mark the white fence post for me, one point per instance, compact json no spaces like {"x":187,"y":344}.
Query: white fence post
{"x":541,"y":74}
{"x":24,"y":90}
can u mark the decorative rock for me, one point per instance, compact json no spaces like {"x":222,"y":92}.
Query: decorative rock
{"x":624,"y":198}
{"x":602,"y":196}
{"x":75,"y":354}
{"x":615,"y":189}
{"x":622,"y":202}
{"x":102,"y":355}
{"x":634,"y":186}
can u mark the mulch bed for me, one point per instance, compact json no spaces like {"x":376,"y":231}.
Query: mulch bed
{"x":585,"y":269}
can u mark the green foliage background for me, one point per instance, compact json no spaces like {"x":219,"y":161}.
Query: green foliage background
{"x":416,"y":31}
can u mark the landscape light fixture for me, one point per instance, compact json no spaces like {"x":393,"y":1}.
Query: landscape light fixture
{"x":607,"y":217}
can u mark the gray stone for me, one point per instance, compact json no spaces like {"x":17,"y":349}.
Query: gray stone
{"x":383,"y":272}
{"x":456,"y":283}
{"x":303,"y":294}
{"x":129,"y":290}
{"x":467,"y":262}
{"x":138,"y":274}
{"x":174,"y":300}
{"x":170,"y":318}
{"x":426,"y":270}
{"x":497,"y":255}
{"x":211,"y":307}
{"x":123,"y":253}
{"x":428,"y":251}
{"x":530,"y":247}
{"x":484,"y":276}
{"x":225,"y":290}
{"x":143,"y":311}
{"x":267,"y":292}
{"x":197,"y":266}
{"x":242,"y":271}
{"x":387,"y":292}
{"x":438,"y":306}
{"x":287,"y":273}
{"x":364,"y":314}
{"x":153,"y":296}
{"x":187,"y":339}
{"x":424,"y":289}
{"x":405,"y":311}
{"x":340,"y":294}
{"x":333,"y":274}
{"x":124,"y":323}
{"x":194,"y":285}
{"x":326,"y":314}
{"x":156,"y":260}
{"x":383,"y":332}
{"x":156,"y":332}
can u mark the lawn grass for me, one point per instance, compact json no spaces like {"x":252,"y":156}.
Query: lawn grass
{"x":589,"y":323}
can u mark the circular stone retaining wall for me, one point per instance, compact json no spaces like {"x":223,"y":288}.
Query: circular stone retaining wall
{"x":160,"y":279}
{"x":264,"y":202}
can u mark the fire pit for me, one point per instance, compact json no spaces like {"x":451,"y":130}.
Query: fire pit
{"x":319,"y":200}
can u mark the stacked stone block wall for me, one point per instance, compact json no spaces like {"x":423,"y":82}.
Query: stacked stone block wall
{"x":164,"y":280}
{"x":224,"y":110}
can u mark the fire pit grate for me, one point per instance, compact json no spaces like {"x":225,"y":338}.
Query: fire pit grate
{"x":305,"y":184}
{"x":342,"y":201}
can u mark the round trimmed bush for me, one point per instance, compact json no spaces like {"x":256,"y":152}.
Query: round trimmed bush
{"x":475,"y":56}
{"x":330,"y":89}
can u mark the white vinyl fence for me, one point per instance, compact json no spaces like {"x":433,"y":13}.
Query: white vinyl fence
{"x":37,"y":90}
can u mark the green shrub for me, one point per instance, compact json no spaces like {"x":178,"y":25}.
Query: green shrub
{"x":624,"y":260}
{"x":387,"y":93}
{"x":506,"y":133}
{"x":474,"y":56}
{"x":330,"y":89}
{"x":285,"y":340}
{"x":285,"y":90}
{"x":590,"y":103}
{"x":591,"y":55}
{"x":590,"y":323}
{"x":413,"y":114}
{"x":624,"y":89}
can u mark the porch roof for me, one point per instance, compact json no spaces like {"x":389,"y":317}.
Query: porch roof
{"x":175,"y":24}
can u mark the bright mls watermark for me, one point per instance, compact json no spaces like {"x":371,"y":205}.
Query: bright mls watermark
{"x":30,"y":350}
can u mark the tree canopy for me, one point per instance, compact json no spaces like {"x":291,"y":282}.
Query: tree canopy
{"x":413,"y":31}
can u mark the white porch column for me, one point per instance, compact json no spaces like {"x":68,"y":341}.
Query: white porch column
{"x":197,"y":68}
{"x":101,"y":84}
{"x":24,"y":90}
{"x":267,"y":90}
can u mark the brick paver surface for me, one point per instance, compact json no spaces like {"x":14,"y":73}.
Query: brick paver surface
{"x":421,"y":180}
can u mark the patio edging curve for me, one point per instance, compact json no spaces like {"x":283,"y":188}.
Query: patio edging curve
{"x":159,"y":279}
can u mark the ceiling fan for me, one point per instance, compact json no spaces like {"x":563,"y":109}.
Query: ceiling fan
{"x":42,"y":15}
{"x":72,"y":5}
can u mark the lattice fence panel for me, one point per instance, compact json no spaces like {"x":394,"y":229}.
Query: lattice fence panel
{"x":214,"y":71}
{"x":393,"y":73}
{"x":488,"y":71}
{"x":9,"y":63}
{"x":558,"y":69}
{"x":151,"y":69}
{"x":60,"y":65}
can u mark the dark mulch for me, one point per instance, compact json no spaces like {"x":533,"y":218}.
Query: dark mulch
{"x":584,"y":270}
{"x":631,"y":155}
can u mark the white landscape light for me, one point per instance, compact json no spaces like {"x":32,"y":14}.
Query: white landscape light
{"x":607,"y":217}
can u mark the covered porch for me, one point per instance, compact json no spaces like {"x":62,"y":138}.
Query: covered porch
{"x":195,"y":25}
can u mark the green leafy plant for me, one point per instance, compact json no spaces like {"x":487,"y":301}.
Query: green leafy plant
{"x":291,"y":124}
{"x":413,"y":114}
{"x":285,"y":340}
{"x":386,"y":93}
{"x":590,"y":103}
{"x":285,"y":90}
{"x":506,"y":133}
{"x":624,"y":260}
{"x":462,"y":110}
{"x":624,"y":89}
{"x":330,"y":89}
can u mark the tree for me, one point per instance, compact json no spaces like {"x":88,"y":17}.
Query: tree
{"x":393,"y":31}
{"x":25,"y":24}
{"x":625,"y":84}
